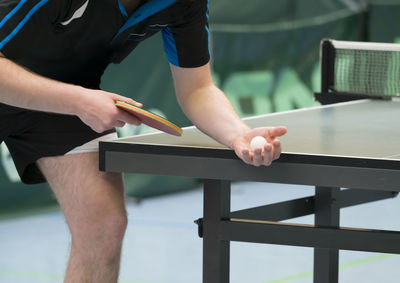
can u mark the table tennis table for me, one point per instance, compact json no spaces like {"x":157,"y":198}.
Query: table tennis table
{"x":349,"y":151}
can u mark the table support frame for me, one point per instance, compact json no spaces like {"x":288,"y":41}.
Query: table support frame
{"x":216,"y":252}
{"x":219,"y":226}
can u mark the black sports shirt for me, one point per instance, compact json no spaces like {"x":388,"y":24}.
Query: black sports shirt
{"x":74,"y":40}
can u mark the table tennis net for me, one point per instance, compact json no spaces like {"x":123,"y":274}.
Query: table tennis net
{"x":371,"y":69}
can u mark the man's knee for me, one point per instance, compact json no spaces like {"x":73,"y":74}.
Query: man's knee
{"x":116,"y":226}
{"x":103,"y":234}
{"x":111,"y":225}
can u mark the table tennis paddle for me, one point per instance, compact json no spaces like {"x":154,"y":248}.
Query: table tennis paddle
{"x":150,"y":119}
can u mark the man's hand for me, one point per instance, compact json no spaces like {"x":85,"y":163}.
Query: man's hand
{"x":97,"y":110}
{"x":270,"y":152}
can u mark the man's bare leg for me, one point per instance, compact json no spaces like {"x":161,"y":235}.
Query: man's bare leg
{"x":94,"y":208}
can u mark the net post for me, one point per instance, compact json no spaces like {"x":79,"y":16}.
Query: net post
{"x":327,"y":65}
{"x":327,"y":56}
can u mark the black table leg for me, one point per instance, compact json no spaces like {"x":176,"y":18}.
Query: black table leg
{"x":217,"y":203}
{"x":327,"y":213}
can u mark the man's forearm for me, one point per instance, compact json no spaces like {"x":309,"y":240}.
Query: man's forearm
{"x":96,"y":108}
{"x":210,"y":110}
{"x":22,"y":88}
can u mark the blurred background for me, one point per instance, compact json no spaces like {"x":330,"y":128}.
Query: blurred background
{"x":265,"y":56}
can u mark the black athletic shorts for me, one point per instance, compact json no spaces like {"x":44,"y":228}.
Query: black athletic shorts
{"x":30,"y":135}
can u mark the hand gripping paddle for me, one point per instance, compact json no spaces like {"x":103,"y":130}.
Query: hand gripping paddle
{"x":150,"y":119}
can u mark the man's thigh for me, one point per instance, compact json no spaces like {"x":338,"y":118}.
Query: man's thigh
{"x":85,"y":194}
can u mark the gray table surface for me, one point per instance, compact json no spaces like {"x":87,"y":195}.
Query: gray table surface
{"x":360,"y":129}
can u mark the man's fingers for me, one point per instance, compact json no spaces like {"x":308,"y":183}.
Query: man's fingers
{"x":127,"y":100}
{"x":277,"y":131}
{"x":246,"y":156}
{"x":263,"y":156}
{"x":119,"y":124}
{"x":128,"y":118}
{"x":258,"y":157}
{"x":277,"y":149}
{"x":268,"y":154}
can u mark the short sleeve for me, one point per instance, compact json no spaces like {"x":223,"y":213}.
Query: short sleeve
{"x":186,"y":43}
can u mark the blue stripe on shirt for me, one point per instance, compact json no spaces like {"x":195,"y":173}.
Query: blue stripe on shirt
{"x":144,"y":12}
{"x":170,"y":46}
{"x":208,"y":31}
{"x":22,"y":23}
{"x":12,"y":13}
{"x":122,"y":8}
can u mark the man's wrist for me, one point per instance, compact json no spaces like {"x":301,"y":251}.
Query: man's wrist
{"x":76,"y":96}
{"x":239,"y":132}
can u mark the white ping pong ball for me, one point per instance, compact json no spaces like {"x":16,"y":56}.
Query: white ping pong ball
{"x":257,"y":142}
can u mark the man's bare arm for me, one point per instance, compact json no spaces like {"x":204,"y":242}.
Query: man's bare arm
{"x":22,"y":88}
{"x":205,"y":104}
{"x":210,"y":110}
